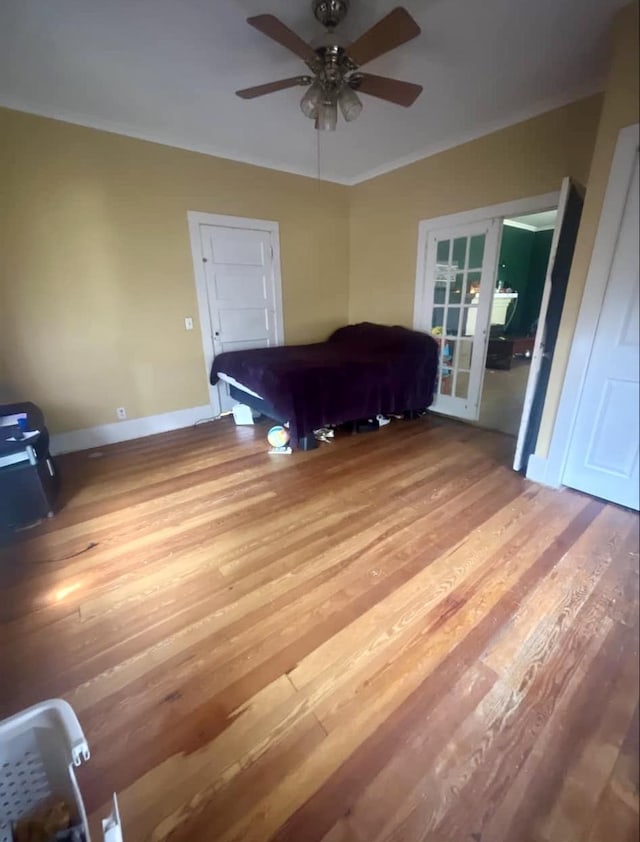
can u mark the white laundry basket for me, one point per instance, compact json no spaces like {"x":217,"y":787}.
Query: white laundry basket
{"x":39,"y":749}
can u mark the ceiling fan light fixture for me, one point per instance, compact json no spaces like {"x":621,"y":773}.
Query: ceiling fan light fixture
{"x":350,"y":103}
{"x":335,"y":64}
{"x":327,"y":117}
{"x":311,"y":101}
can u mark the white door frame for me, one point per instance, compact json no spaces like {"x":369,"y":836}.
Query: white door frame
{"x":195,"y":219}
{"x":540,"y":336}
{"x":550,"y":470}
{"x":427,"y":227}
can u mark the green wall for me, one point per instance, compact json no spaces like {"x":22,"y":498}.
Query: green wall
{"x":537,"y":273}
{"x":513,"y":269}
{"x":522,"y":267}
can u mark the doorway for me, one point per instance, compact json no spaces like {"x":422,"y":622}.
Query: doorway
{"x":522,"y":268}
{"x":497,"y":304}
{"x":236,"y":265}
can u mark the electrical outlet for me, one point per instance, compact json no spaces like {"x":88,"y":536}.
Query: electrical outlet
{"x":188,"y":323}
{"x":121,"y":412}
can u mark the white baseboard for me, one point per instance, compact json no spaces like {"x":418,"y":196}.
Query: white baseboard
{"x":539,"y":470}
{"x":125,"y":430}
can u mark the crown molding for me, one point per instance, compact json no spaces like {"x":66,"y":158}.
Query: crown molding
{"x":482,"y":130}
{"x":258,"y":161}
{"x":111,"y":127}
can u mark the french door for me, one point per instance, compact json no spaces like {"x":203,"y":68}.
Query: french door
{"x":460,"y":272}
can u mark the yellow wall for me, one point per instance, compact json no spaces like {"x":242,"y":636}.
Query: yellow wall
{"x":96,"y":274}
{"x":523,"y":160}
{"x":620,"y":108}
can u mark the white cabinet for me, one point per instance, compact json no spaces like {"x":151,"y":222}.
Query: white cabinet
{"x":499,"y":311}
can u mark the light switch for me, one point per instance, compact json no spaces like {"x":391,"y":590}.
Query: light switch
{"x":188,"y":323}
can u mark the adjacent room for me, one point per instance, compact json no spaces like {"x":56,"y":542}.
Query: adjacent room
{"x":319,"y":426}
{"x":522,"y":269}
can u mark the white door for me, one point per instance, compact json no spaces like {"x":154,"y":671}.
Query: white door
{"x":539,"y":341}
{"x":460,"y":271}
{"x":603,"y":452}
{"x":240,"y":287}
{"x":238,"y":284}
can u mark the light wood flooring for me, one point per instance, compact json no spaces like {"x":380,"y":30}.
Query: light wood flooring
{"x":394,"y":637}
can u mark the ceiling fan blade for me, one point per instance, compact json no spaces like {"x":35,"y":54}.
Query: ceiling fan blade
{"x":393,"y":90}
{"x":394,"y":29}
{"x":272,"y":27}
{"x":271,"y":87}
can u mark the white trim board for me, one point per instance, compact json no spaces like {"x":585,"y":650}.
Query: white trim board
{"x":533,"y":228}
{"x":594,"y":290}
{"x":541,"y":329}
{"x":537,"y":471}
{"x":135,"y":428}
{"x":194,"y":220}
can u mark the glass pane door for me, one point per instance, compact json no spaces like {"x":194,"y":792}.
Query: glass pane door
{"x":460,"y":273}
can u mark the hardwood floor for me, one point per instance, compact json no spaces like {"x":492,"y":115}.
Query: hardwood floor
{"x":394,"y":637}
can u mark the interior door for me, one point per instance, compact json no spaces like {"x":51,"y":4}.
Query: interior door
{"x":460,"y":270}
{"x":603,"y":452}
{"x":553,"y":295}
{"x":241,"y":291}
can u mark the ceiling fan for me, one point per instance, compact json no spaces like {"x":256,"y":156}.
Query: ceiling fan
{"x":335,"y":67}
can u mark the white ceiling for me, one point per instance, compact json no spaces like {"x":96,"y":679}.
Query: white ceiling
{"x":166,"y":70}
{"x":542,"y":221}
